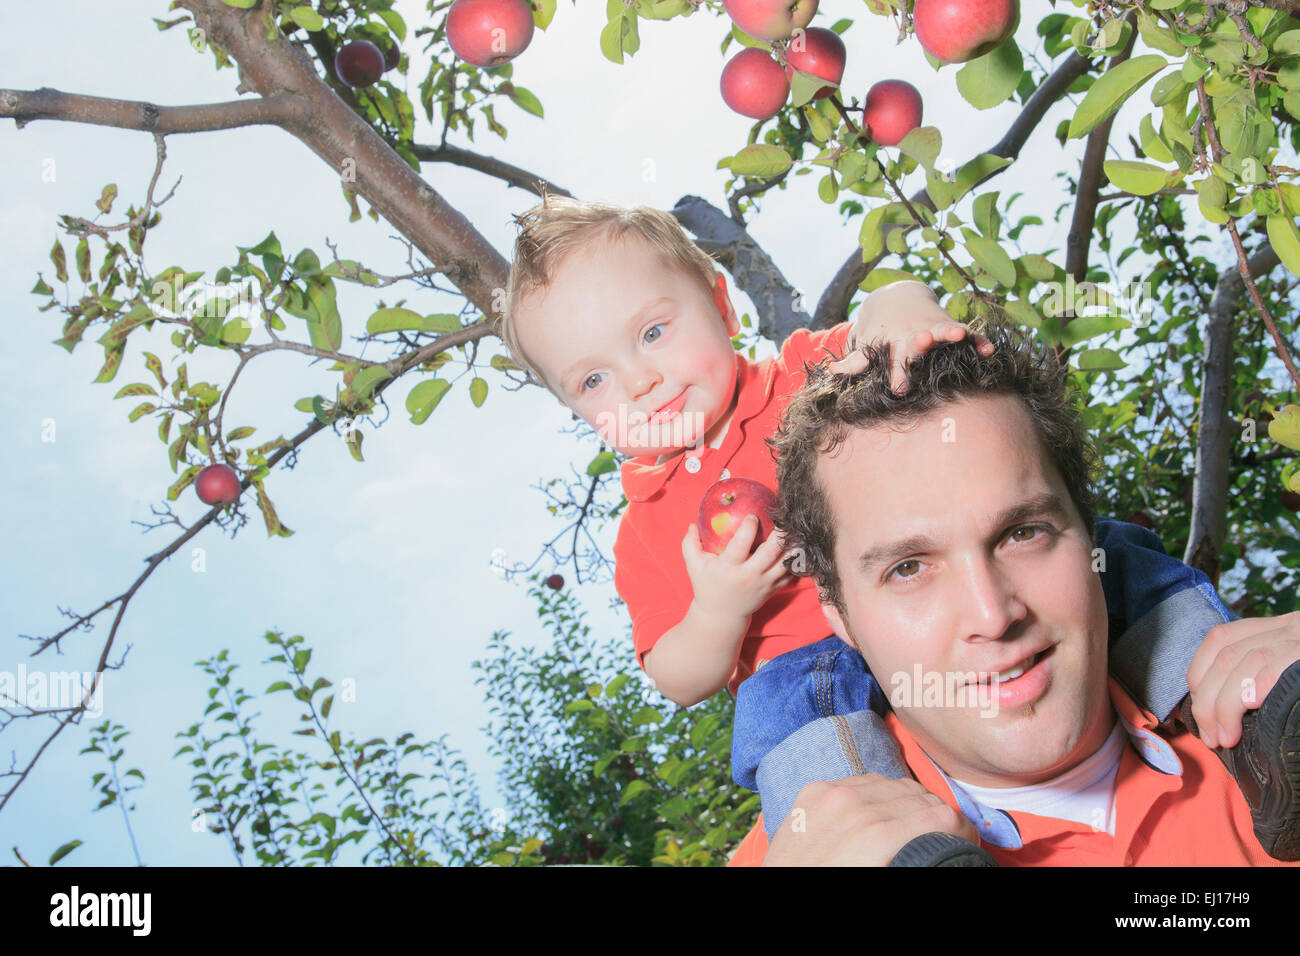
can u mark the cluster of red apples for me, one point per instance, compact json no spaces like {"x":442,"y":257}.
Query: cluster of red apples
{"x":486,"y":33}
{"x":754,"y":84}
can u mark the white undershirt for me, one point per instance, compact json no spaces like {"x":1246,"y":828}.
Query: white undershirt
{"x":1084,"y":793}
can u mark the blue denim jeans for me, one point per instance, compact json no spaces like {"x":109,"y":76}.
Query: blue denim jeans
{"x":1159,"y":609}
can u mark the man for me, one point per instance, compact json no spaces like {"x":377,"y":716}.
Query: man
{"x":951,"y":535}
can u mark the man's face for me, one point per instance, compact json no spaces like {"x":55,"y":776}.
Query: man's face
{"x":959,"y":550}
{"x":637,"y":349}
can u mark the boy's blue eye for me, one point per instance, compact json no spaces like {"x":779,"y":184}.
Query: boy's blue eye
{"x":586,"y":383}
{"x":651,"y":329}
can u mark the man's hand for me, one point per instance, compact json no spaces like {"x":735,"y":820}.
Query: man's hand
{"x":735,"y":582}
{"x":861,"y":821}
{"x":1234,"y":669}
{"x":908,"y":316}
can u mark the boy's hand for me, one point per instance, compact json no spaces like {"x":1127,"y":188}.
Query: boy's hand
{"x":908,"y":316}
{"x":1234,"y":669}
{"x":735,"y":583}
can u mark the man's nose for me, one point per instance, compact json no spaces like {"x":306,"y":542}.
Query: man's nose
{"x":989,"y":599}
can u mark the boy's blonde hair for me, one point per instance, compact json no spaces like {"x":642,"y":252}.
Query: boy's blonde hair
{"x":557,"y":226}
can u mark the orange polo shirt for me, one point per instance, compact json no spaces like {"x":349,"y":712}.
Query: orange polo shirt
{"x":1175,"y":805}
{"x":663,"y":500}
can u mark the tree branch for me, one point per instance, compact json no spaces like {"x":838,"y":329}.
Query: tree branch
{"x":26,"y":106}
{"x":512,"y":175}
{"x":778,"y":302}
{"x":834,"y":303}
{"x":1215,"y":431}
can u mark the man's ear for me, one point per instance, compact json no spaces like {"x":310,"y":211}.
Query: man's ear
{"x":837,"y":625}
{"x":725,"y":308}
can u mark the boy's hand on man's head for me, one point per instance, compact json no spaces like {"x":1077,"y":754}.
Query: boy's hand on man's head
{"x":735,"y":582}
{"x":907,"y":316}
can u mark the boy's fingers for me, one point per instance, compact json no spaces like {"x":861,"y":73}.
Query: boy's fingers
{"x":737,"y":548}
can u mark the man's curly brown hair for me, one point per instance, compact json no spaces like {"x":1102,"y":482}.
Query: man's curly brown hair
{"x":819,"y":418}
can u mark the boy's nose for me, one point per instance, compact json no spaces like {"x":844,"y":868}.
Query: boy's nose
{"x":644,"y":380}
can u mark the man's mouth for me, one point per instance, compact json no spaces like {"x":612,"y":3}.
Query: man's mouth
{"x":1022,"y":683}
{"x":669,"y":410}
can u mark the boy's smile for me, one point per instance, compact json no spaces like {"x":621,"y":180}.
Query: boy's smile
{"x":635,"y":346}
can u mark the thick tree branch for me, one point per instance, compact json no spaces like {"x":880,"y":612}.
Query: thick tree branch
{"x":834,"y":303}
{"x":25,"y":106}
{"x":366,"y":164}
{"x":1091,"y":174}
{"x":1215,"y":430}
{"x":778,"y":302}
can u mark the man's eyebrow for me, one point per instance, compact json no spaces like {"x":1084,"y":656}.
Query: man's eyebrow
{"x":586,"y":360}
{"x":1039,"y":506}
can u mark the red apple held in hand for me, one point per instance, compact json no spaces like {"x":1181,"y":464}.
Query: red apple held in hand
{"x":959,"y":30}
{"x":359,"y":63}
{"x":723,"y":510}
{"x":770,"y":19}
{"x":820,"y":52}
{"x":218,"y":485}
{"x":555,"y":582}
{"x":489,"y":33}
{"x":892,"y":110}
{"x":754,"y":85}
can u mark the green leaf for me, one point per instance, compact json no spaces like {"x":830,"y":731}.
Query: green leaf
{"x":364,"y":382}
{"x":60,"y":260}
{"x":63,"y":851}
{"x":1111,"y":90}
{"x":1099,"y":360}
{"x":989,"y":80}
{"x":279,"y":685}
{"x":394,"y":320}
{"x":1285,"y":427}
{"x":601,"y":464}
{"x":993,"y":259}
{"x":923,"y":145}
{"x":478,"y":389}
{"x":1141,"y":179}
{"x":240,"y":4}
{"x":1286,"y":243}
{"x":880,"y":276}
{"x":760,"y":160}
{"x":394,"y":21}
{"x":578,"y":706}
{"x":442,"y":322}
{"x":633,"y":790}
{"x":307,"y":18}
{"x":611,"y":40}
{"x":424,"y":398}
{"x":526,"y":100}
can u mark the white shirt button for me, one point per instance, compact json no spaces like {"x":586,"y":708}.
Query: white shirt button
{"x":726,"y":473}
{"x":692,"y":465}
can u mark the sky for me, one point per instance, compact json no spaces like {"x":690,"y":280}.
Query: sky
{"x":388,"y":575}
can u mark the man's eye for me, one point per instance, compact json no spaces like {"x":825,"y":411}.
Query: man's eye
{"x":587,"y":384}
{"x":901,"y":569}
{"x":1029,"y":532}
{"x":650,"y":330}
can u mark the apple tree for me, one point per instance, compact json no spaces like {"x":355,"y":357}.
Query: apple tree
{"x":1187,"y":372}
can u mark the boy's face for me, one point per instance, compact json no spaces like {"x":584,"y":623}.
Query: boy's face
{"x":638,"y":349}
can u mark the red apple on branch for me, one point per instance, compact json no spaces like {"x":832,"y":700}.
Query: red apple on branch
{"x":891,"y":110}
{"x":555,"y":582}
{"x":489,"y":33}
{"x":218,"y":485}
{"x":770,"y":19}
{"x":754,"y":85}
{"x":359,"y":63}
{"x":959,"y":30}
{"x":723,"y":510}
{"x":820,"y":52}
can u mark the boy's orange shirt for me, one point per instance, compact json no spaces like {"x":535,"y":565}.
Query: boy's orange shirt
{"x":649,"y":570}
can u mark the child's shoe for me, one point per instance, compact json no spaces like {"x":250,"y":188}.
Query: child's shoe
{"x":1266,"y":764}
{"x":941,"y":849}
